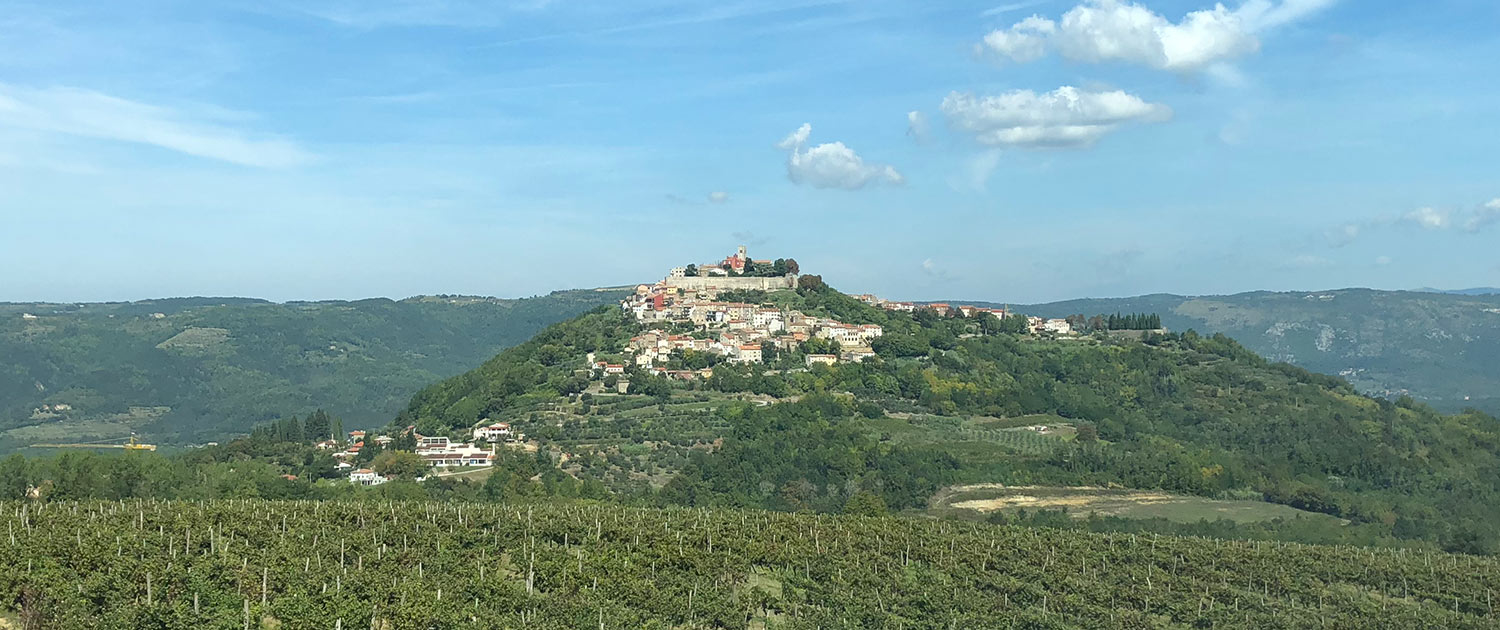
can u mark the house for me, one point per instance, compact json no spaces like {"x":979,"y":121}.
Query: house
{"x":821,"y":359}
{"x":384,"y":440}
{"x":342,"y":466}
{"x":498,"y":432}
{"x":428,"y":442}
{"x":458,"y":455}
{"x":747,"y":353}
{"x":326,"y":445}
{"x":614,"y":368}
{"x":356,"y":436}
{"x":1058,"y":326}
{"x":857,"y":354}
{"x":366,"y":477}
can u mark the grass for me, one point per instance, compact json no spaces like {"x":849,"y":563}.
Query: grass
{"x":1137,"y":504}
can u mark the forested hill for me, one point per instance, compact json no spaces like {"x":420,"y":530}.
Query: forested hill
{"x":940,"y":405}
{"x":1443,"y":348}
{"x":194,"y":369}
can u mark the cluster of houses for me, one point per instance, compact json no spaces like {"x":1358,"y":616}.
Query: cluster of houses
{"x":1037,"y":325}
{"x":435,"y":451}
{"x":733,"y":330}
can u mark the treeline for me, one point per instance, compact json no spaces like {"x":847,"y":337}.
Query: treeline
{"x":1132,"y":321}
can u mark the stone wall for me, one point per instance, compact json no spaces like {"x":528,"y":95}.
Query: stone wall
{"x":788,"y":281}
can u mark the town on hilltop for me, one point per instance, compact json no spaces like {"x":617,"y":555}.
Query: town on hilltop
{"x":704,"y":310}
{"x":733,"y":311}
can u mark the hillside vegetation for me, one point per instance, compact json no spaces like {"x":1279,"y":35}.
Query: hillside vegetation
{"x":260,"y":564}
{"x":1443,"y":348}
{"x":195,"y":369}
{"x":1182,"y":413}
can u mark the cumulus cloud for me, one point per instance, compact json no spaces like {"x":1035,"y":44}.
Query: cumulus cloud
{"x":90,"y":114}
{"x":831,"y":165}
{"x":718,"y":197}
{"x":1025,"y":41}
{"x":1112,"y":30}
{"x":1065,"y":117}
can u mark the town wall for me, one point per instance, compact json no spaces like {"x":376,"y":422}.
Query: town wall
{"x":698,"y":283}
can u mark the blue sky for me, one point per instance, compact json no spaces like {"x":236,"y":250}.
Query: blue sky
{"x":1020,"y":151}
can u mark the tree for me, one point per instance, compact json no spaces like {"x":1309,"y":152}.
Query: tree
{"x":1088,"y":433}
{"x":398,"y":464}
{"x":810,"y":283}
{"x":865,"y":503}
{"x":692,"y":270}
{"x":791,"y":266}
{"x":319,"y":426}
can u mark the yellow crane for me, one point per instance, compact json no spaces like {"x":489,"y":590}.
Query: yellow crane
{"x":131,"y":444}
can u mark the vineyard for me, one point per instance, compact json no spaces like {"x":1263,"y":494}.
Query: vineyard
{"x":260,"y":564}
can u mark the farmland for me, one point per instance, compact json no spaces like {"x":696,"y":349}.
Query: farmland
{"x":266,"y":564}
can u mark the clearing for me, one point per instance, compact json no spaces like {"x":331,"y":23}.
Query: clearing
{"x":1080,"y":502}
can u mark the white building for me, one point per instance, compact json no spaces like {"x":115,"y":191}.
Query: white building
{"x":821,"y":359}
{"x":366,"y":477}
{"x":498,"y":432}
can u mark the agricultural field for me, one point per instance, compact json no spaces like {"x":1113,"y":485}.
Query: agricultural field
{"x":1083,"y":502}
{"x":232,"y":564}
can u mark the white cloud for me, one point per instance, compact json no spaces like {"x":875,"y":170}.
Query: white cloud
{"x":1112,"y":30}
{"x":90,"y":114}
{"x":1023,"y":42}
{"x":1483,"y":217}
{"x":831,"y":165}
{"x":718,"y":197}
{"x":1429,"y":219}
{"x":916,"y":126}
{"x":1383,"y":260}
{"x":1065,"y":117}
{"x":1261,"y":15}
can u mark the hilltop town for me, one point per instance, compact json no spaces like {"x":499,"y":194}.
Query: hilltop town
{"x":703,"y":308}
{"x":733,"y":311}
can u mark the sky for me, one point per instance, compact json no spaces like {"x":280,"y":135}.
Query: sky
{"x":1019,"y":151}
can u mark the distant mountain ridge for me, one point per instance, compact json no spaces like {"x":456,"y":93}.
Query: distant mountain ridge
{"x":1473,"y":291}
{"x":205,"y":368}
{"x":1443,"y":347}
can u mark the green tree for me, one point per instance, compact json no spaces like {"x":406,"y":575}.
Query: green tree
{"x":865,"y":503}
{"x":400,"y":464}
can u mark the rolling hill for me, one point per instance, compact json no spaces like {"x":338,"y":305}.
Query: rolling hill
{"x":196,"y":369}
{"x":1443,"y":348}
{"x":955,"y":401}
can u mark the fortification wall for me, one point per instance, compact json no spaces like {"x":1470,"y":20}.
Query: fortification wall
{"x":722,"y":282}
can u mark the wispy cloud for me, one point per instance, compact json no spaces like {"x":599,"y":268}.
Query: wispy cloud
{"x":721,"y":12}
{"x":1426,"y":218}
{"x":90,"y":114}
{"x":1012,"y":7}
{"x":1065,"y":117}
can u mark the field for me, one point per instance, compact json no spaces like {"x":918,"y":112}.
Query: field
{"x":1082,"y":502}
{"x":264,"y":564}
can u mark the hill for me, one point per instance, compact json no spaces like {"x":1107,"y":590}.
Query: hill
{"x":1439,"y":347}
{"x":950,"y":401}
{"x":272,"y":564}
{"x":194,"y":369}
